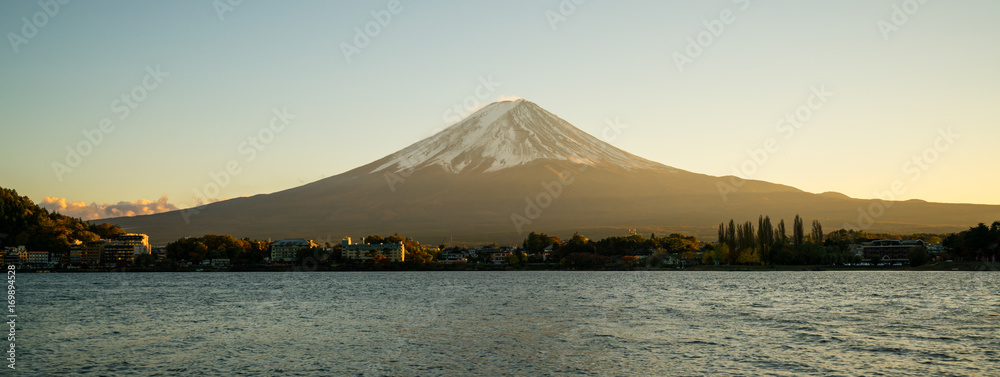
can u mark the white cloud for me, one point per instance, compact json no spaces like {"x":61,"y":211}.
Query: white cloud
{"x":99,"y":211}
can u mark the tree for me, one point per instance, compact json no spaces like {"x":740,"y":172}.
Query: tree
{"x":797,"y":233}
{"x":780,"y":236}
{"x":145,"y":260}
{"x":720,"y":253}
{"x":918,"y":256}
{"x":817,"y":233}
{"x":731,"y":235}
{"x":765,"y":233}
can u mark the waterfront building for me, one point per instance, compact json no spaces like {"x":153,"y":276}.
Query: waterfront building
{"x":889,"y":251}
{"x":38,"y":258}
{"x":286,"y":250}
{"x":12,"y":255}
{"x":394,"y":252}
{"x":88,"y":253}
{"x":139,"y":242}
{"x":117,"y":253}
{"x":499,"y":257}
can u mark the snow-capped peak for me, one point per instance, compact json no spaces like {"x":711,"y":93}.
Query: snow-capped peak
{"x":507,"y":134}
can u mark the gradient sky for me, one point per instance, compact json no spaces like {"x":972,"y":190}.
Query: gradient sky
{"x":606,"y":60}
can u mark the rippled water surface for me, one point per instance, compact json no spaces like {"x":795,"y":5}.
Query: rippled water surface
{"x":510,"y":323}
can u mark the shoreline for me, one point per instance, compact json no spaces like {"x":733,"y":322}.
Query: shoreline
{"x":940,"y":266}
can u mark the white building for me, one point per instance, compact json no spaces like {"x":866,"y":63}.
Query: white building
{"x":394,"y":252}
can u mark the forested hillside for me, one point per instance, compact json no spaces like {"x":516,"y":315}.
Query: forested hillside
{"x":24,"y":223}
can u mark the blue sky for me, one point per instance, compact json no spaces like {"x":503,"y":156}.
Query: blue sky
{"x":894,"y":90}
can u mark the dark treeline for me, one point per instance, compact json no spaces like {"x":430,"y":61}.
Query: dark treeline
{"x":246,"y":252}
{"x":579,"y":251}
{"x":979,"y":243}
{"x":773,"y":244}
{"x":197,"y":249}
{"x":22,"y":222}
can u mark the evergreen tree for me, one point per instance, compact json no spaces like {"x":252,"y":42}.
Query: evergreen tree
{"x":817,"y":232}
{"x":731,"y":236}
{"x":780,"y":236}
{"x":798,"y":233}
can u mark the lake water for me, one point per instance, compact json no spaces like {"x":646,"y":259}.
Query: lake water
{"x":510,"y":323}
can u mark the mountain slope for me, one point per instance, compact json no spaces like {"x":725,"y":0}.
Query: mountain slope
{"x":509,"y":134}
{"x":513,"y":167}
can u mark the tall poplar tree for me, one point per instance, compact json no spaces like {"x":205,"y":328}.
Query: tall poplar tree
{"x":798,"y":234}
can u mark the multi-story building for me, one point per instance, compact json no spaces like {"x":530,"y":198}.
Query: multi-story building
{"x":394,"y":252}
{"x":499,"y":257}
{"x":453,"y":256}
{"x":87,"y":253}
{"x":12,"y":255}
{"x":38,"y":258}
{"x":286,"y":250}
{"x":75,"y":252}
{"x":139,"y":242}
{"x":889,"y":251}
{"x":117,"y":253}
{"x":121,"y":250}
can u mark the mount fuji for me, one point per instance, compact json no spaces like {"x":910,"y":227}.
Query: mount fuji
{"x":513,"y":167}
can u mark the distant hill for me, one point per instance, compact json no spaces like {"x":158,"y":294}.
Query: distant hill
{"x":513,"y":167}
{"x":24,"y":223}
